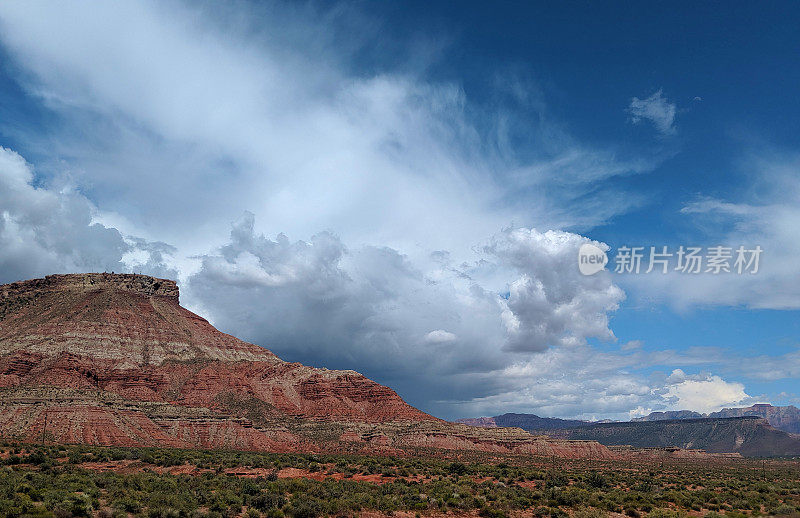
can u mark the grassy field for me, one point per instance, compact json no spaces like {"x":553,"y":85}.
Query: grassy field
{"x":65,"y":481}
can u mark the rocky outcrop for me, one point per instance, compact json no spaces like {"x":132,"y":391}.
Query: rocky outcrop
{"x":19,"y":294}
{"x":115,"y":360}
{"x":83,"y":423}
{"x":448,"y":436}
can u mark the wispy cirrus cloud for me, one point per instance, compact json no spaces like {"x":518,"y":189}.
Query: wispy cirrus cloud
{"x":657,"y":109}
{"x":764,"y":214}
{"x":223,"y":110}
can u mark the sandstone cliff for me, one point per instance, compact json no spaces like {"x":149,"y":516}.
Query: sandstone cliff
{"x":115,"y":360}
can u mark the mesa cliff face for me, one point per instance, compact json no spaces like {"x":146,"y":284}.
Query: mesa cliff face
{"x":115,"y":360}
{"x":786,"y":418}
{"x":749,"y":436}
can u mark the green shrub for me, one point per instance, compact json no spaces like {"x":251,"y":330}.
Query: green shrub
{"x":265,"y":501}
{"x":596,"y":479}
{"x":305,"y":508}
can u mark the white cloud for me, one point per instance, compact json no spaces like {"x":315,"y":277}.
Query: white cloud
{"x":587,"y":383}
{"x":562,"y":382}
{"x":703,"y":393}
{"x":46,"y":230}
{"x":181,"y":117}
{"x":751,"y":222}
{"x":212,"y":112}
{"x":632,"y":345}
{"x":550,"y":302}
{"x":324,"y":303}
{"x":657,"y":109}
{"x":440,"y":336}
{"x":764,"y":367}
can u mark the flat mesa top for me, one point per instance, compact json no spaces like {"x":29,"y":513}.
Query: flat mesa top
{"x":141,"y":284}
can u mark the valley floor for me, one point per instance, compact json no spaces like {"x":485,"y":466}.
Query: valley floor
{"x":64,"y":481}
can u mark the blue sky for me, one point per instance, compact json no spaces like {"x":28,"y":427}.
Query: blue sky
{"x":401,"y":189}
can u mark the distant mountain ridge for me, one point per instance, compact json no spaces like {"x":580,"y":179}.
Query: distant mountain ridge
{"x":786,"y":418}
{"x":750,"y":436}
{"x":760,"y":430}
{"x":670,"y":415}
{"x":524,"y":421}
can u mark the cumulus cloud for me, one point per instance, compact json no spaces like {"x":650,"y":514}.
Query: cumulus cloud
{"x":703,"y":393}
{"x":656,"y":109}
{"x":419,"y":326}
{"x":51,"y":230}
{"x":550,"y":302}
